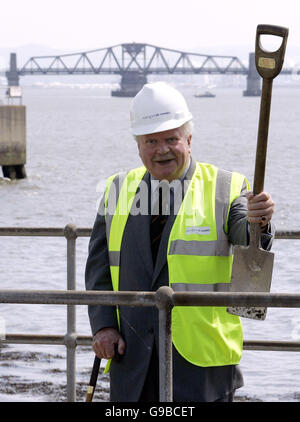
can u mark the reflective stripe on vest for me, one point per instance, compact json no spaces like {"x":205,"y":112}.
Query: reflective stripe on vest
{"x":119,"y":196}
{"x":199,"y":259}
{"x":117,"y":203}
{"x":219,"y":247}
{"x":111,"y":198}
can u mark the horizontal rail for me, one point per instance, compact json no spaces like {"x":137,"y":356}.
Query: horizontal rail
{"x":287,"y":234}
{"x":272,"y":300}
{"x":164,"y":299}
{"x":50,"y":339}
{"x":276,"y":346}
{"x":86,"y":232}
{"x":35,"y":231}
{"x":60,"y":297}
{"x":44,"y":339}
{"x":46,"y":231}
{"x":135,"y":298}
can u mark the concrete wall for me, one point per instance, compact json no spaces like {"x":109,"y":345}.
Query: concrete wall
{"x":12,"y":135}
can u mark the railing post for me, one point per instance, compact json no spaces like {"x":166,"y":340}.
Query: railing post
{"x":163,"y":298}
{"x":70,"y":337}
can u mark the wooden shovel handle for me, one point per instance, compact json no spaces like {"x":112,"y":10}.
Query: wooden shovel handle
{"x":269,"y":64}
{"x":262,"y":137}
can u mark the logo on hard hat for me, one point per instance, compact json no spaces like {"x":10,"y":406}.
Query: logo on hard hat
{"x":151,"y":116}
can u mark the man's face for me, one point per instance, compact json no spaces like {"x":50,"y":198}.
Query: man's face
{"x":165,"y":154}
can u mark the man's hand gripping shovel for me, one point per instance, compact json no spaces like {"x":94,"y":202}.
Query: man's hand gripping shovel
{"x":252,"y":266}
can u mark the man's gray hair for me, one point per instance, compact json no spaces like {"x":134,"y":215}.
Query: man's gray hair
{"x":187,"y":129}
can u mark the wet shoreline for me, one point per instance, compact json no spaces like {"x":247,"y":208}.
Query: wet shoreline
{"x":34,"y":365}
{"x":31,"y":375}
{"x":19,"y":388}
{"x":44,"y":391}
{"x":50,"y":392}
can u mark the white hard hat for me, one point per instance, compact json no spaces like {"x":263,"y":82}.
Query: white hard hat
{"x":158,"y":107}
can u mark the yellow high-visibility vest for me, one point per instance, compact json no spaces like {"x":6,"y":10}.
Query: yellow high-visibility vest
{"x":199,"y":258}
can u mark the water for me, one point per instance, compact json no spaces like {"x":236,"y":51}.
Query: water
{"x":76,"y":138}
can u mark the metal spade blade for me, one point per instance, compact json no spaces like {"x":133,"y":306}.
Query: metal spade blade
{"x":252,"y":266}
{"x":251,"y":272}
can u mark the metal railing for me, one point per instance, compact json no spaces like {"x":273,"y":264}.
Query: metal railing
{"x":164,"y":299}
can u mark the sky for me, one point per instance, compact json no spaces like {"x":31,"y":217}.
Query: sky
{"x":189,"y":25}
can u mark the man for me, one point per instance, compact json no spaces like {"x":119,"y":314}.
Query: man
{"x":143,"y":239}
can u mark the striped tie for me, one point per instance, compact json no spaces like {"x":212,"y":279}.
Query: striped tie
{"x":156,"y":228}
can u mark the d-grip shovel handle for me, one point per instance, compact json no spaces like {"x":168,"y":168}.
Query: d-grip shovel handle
{"x":269,"y":64}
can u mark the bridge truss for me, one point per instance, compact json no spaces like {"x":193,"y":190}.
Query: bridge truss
{"x":145,"y":59}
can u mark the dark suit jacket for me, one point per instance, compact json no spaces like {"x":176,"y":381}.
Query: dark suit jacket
{"x":139,"y":325}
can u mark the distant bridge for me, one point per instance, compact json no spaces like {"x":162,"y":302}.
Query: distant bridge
{"x":134,"y":61}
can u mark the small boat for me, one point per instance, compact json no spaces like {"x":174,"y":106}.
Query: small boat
{"x":205,"y":94}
